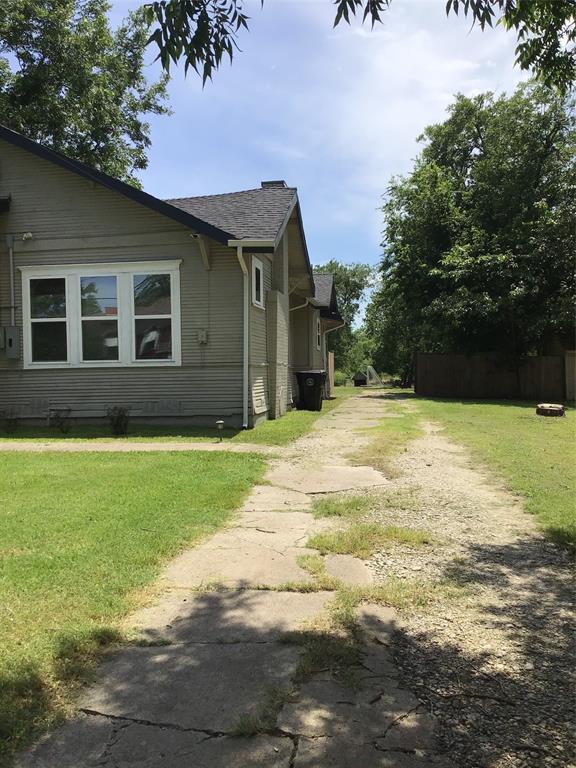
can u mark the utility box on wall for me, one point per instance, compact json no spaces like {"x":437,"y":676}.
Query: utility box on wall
{"x":10,"y":342}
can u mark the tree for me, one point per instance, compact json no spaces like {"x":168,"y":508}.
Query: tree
{"x":68,"y":81}
{"x":351,"y":282}
{"x":203,"y":32}
{"x":480,"y":237}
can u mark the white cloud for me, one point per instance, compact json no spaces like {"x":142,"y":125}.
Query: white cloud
{"x":334,"y":111}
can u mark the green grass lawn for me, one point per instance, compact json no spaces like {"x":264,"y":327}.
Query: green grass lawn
{"x":536,"y":455}
{"x":278,"y":432}
{"x":81,"y":535}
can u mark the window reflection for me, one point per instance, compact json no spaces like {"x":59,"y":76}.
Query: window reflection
{"x":154,"y":339}
{"x":100,"y":340}
{"x":49,"y":342}
{"x":99,"y":296}
{"x":48,"y":297}
{"x":152,"y":295}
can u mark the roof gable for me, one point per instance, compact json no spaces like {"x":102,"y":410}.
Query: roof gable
{"x":98,"y":177}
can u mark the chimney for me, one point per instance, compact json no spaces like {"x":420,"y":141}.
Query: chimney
{"x":274,"y":184}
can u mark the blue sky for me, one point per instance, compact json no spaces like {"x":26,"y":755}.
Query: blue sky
{"x":334,"y":112}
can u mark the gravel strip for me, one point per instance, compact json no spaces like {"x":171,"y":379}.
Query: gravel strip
{"x":496,"y":668}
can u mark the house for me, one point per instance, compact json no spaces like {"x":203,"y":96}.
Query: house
{"x":190,"y":309}
{"x":330,"y":320}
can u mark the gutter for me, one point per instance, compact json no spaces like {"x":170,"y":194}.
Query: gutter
{"x":336,"y":328}
{"x":245,"y":333}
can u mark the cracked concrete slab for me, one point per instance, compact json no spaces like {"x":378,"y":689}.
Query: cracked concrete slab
{"x":205,"y":687}
{"x":145,"y":747}
{"x":267,"y":498}
{"x":378,"y":622}
{"x":92,"y":741}
{"x":415,"y":731}
{"x":325,"y":478}
{"x":244,"y":567}
{"x":339,"y":752}
{"x":349,"y":570}
{"x":228,"y":617}
{"x":80,"y":742}
{"x":277,"y":530}
{"x":329,"y":708}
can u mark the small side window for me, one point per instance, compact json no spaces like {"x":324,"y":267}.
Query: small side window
{"x":257,"y":283}
{"x":318,"y":334}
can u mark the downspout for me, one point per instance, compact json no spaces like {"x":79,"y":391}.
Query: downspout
{"x":10,"y":246}
{"x":300,"y":306}
{"x":246,"y":327}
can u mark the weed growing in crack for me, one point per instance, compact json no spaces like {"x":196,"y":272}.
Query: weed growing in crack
{"x":264,"y":718}
{"x":316,"y":567}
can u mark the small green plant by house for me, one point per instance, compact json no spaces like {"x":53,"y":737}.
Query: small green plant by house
{"x":118,"y":418}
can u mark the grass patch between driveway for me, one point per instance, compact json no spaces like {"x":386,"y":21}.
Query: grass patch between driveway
{"x":80,"y":536}
{"x":362,"y":539}
{"x":389,"y":438}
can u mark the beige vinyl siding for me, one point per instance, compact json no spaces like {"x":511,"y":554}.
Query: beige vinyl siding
{"x":258,"y":341}
{"x":76,"y":222}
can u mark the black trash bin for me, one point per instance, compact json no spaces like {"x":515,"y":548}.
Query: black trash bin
{"x":311,"y":388}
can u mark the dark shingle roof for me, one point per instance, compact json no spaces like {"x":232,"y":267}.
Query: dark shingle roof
{"x":325,"y":296}
{"x":323,"y":285}
{"x":255,"y":214}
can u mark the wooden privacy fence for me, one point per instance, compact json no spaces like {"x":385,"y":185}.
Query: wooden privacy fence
{"x":491,"y":377}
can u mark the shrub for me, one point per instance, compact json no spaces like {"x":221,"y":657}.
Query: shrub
{"x":61,"y":421}
{"x":118,"y":418}
{"x":339,"y":378}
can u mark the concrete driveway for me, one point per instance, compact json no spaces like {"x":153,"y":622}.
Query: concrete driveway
{"x":217,"y":678}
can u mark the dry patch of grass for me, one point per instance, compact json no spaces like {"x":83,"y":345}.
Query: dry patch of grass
{"x":402,"y":594}
{"x":362,"y":539}
{"x":389,"y":439}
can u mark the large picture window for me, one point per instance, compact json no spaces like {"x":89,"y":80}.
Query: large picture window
{"x":102,"y":315}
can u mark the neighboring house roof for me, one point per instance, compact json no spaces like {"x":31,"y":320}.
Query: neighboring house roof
{"x":325,"y":296}
{"x":254,"y":214}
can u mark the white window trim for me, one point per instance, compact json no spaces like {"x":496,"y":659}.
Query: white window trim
{"x":257,"y":264}
{"x":318,"y":334}
{"x":125,"y":316}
